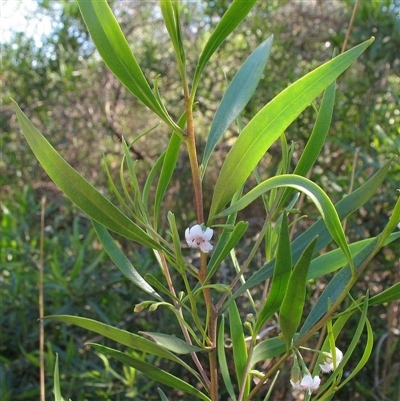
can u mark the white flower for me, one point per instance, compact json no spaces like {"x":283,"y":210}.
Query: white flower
{"x":307,"y":383}
{"x":328,"y":365}
{"x":197,"y":238}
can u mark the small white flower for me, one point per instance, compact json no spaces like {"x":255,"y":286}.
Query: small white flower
{"x":196,"y":237}
{"x":328,"y":365}
{"x":307,"y":383}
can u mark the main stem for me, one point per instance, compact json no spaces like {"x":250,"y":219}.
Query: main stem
{"x":198,"y":194}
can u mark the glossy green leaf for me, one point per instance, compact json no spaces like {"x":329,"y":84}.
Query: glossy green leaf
{"x":280,"y":279}
{"x":334,"y":260}
{"x":262,"y":131}
{"x":121,"y":261}
{"x":172,"y":343}
{"x":238,"y":345}
{"x":312,"y":190}
{"x":223,"y":365}
{"x":292,"y":306}
{"x":116,"y":53}
{"x":155,"y":373}
{"x":344,"y":208}
{"x":80,"y":191}
{"x":267,"y":349}
{"x":336,"y":288}
{"x":319,"y":133}
{"x":230,"y":20}
{"x":237,"y":95}
{"x":123,"y":337}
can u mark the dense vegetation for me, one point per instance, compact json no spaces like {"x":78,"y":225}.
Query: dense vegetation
{"x":72,"y":97}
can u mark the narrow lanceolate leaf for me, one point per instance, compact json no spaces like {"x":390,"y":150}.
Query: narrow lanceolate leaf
{"x":263,"y":130}
{"x":152,"y":371}
{"x":237,"y":95}
{"x":267,"y":349}
{"x":56,"y":387}
{"x":116,"y":53}
{"x":122,"y":262}
{"x":125,"y":338}
{"x":344,"y":208}
{"x":172,"y":343}
{"x":312,"y":190}
{"x":238,"y":345}
{"x":293,"y":302}
{"x":76,"y":188}
{"x":222,"y":362}
{"x":280,"y":279}
{"x":231,"y":19}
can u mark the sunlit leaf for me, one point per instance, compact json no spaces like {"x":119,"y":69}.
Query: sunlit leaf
{"x":230,"y":20}
{"x":116,"y":53}
{"x":80,"y":191}
{"x":268,"y":124}
{"x":344,"y":208}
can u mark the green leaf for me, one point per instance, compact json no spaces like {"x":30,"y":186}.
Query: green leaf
{"x":80,"y":191}
{"x":223,"y":365}
{"x":291,"y":309}
{"x":337,"y":287}
{"x":56,"y":387}
{"x":390,"y":294}
{"x":334,"y":260}
{"x":267,"y":349}
{"x":230,"y":20}
{"x":122,"y":262}
{"x":344,"y":208}
{"x":172,"y":343}
{"x":238,"y":346}
{"x":162,"y":395}
{"x":237,"y":95}
{"x":168,"y":167}
{"x":262,"y":131}
{"x":280,"y":279}
{"x":170,"y":12}
{"x":312,"y":190}
{"x":319,"y":133}
{"x":226,"y":243}
{"x":125,"y":338}
{"x":152,"y":371}
{"x":116,"y":53}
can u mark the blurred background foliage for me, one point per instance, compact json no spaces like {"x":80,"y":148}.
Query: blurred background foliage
{"x":65,"y":89}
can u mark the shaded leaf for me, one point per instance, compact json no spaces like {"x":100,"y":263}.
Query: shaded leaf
{"x":121,"y":261}
{"x":171,"y":343}
{"x":292,"y":306}
{"x":237,"y":95}
{"x":280,"y":279}
{"x":151,"y":371}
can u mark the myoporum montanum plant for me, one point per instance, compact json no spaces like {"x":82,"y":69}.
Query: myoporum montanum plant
{"x":219,"y":348}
